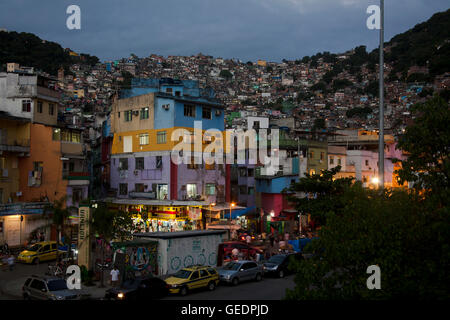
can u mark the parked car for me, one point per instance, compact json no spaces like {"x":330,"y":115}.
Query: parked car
{"x":237,"y":271}
{"x":278,"y":264}
{"x":47,"y":288}
{"x":193,"y":277}
{"x":40,"y":251}
{"x":141,"y":288}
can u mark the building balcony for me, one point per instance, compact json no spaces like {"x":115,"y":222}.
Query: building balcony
{"x":15,"y":145}
{"x":77,"y":178}
{"x":48,"y":94}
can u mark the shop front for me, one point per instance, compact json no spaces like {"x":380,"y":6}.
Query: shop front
{"x":168,"y":217}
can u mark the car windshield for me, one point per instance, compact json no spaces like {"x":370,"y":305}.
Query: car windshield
{"x":36,"y":247}
{"x":183,"y":274}
{"x":232,"y":266}
{"x":56,"y":285}
{"x":276,"y":259}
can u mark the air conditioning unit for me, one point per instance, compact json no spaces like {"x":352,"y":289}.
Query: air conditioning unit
{"x":166,"y":106}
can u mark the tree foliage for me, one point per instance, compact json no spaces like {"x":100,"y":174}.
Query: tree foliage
{"x":397,"y":231}
{"x":427,"y":144}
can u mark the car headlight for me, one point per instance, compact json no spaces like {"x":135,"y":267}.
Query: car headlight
{"x":120,"y":295}
{"x":175,"y":285}
{"x":227,"y":276}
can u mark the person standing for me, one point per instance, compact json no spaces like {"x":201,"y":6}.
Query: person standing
{"x":11,"y":261}
{"x":115,"y":276}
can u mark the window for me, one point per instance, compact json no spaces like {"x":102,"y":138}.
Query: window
{"x":331,"y":160}
{"x":139,"y":187}
{"x":38,"y":165}
{"x":26,"y":105}
{"x":77,"y":195}
{"x":311,"y":154}
{"x":243,"y":172}
{"x":76,"y":137}
{"x":56,"y":134}
{"x":367,"y":162}
{"x":128,"y":115}
{"x":139,"y":163}
{"x":39,"y":106}
{"x":118,"y":114}
{"x":46,"y":248}
{"x":251,"y":172}
{"x":123,"y":189}
{"x":203,"y":273}
{"x":163,"y":191}
{"x":177,"y":93}
{"x":192,"y":164}
{"x":339,"y":161}
{"x":123,"y":164}
{"x":210,"y":189}
{"x":158,"y":162}
{"x":189,"y":110}
{"x":53,"y":246}
{"x":251,"y":190}
{"x":71,"y":167}
{"x":206,"y":113}
{"x":168,"y":90}
{"x":195,"y":275}
{"x":191,"y":189}
{"x":242,"y":189}
{"x":322,"y":156}
{"x":161,"y":137}
{"x":212,"y":271}
{"x":143,"y":139}
{"x":51,"y":109}
{"x":144,"y":113}
{"x":38,"y":285}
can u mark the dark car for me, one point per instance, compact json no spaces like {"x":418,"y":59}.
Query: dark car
{"x":278,"y":264}
{"x":47,"y":288}
{"x":139,"y":289}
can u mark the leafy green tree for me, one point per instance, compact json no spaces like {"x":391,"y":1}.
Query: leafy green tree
{"x":226,"y":74}
{"x":321,"y":194}
{"x":427,"y":144}
{"x":111,"y":225}
{"x":394,"y":230}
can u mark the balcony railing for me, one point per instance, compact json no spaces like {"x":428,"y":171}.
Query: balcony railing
{"x":14,"y":145}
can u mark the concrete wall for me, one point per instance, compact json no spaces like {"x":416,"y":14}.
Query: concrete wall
{"x":175,"y":254}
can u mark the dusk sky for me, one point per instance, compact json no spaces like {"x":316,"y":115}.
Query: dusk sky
{"x":242,"y":29}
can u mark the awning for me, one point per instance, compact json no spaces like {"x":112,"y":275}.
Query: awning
{"x":11,"y":209}
{"x":240,"y":212}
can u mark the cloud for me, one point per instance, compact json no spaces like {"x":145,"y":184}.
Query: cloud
{"x":245,"y":29}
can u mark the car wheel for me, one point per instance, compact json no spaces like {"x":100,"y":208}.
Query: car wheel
{"x":258,"y":277}
{"x":184,"y":291}
{"x":281,"y":274}
{"x":235,"y":281}
{"x":36,"y":261}
{"x":211,"y":286}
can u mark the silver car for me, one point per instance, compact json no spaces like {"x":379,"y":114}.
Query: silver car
{"x":238,"y":271}
{"x":47,"y":288}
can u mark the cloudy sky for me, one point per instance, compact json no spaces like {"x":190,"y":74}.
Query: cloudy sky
{"x":242,"y":29}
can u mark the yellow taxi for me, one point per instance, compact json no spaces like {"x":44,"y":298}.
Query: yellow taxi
{"x":40,"y":251}
{"x":193,"y":277}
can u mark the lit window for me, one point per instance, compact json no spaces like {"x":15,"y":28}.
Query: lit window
{"x":144,"y":113}
{"x":128,"y":115}
{"x":210,"y":189}
{"x":56,"y":134}
{"x":143,"y":139}
{"x":191,"y":190}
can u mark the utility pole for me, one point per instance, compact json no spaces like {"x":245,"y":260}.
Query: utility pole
{"x":381,"y":130}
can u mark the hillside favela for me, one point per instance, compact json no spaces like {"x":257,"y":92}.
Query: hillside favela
{"x":170,"y":175}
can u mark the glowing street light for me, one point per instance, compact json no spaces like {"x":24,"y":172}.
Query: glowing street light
{"x":375,"y":180}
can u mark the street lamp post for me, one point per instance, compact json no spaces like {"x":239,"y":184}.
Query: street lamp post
{"x":232,"y":204}
{"x":381,"y":111}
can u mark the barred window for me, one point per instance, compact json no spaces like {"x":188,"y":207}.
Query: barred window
{"x":161,"y":137}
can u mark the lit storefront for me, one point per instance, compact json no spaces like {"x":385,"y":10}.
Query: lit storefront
{"x":160,"y":217}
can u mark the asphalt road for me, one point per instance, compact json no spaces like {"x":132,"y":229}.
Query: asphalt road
{"x":267,"y":289}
